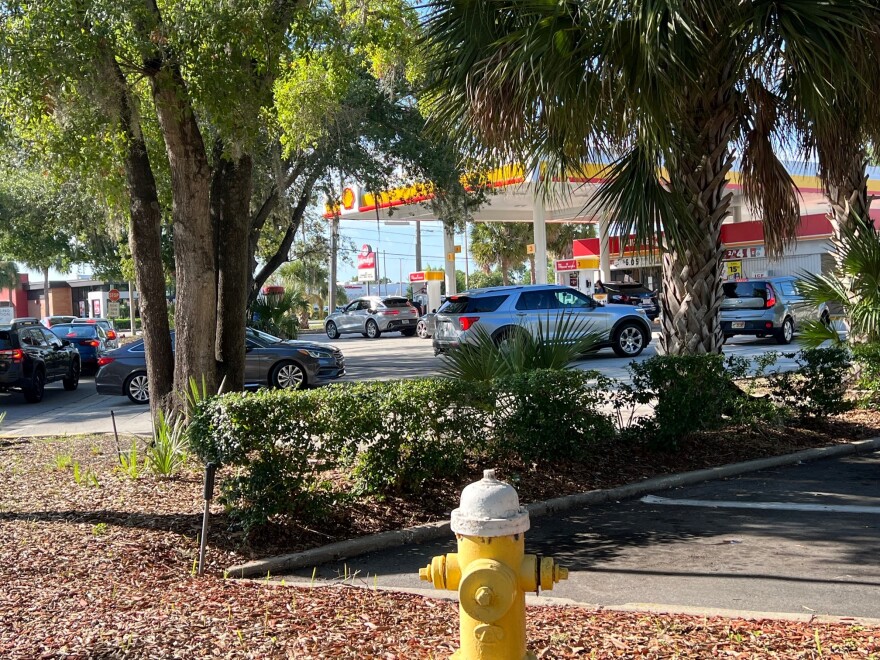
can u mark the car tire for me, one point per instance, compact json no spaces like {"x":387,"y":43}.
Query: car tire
{"x":785,"y":334}
{"x":288,"y":375}
{"x":422,"y":330}
{"x":71,"y":382}
{"x":409,"y":332}
{"x":33,"y":393}
{"x":629,"y":340}
{"x":332,"y":330}
{"x":137,"y":388}
{"x":372,"y":330}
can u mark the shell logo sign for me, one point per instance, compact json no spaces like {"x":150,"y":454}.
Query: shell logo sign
{"x":348,"y":199}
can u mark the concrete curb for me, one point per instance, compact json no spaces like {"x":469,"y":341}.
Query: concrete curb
{"x":437,"y":530}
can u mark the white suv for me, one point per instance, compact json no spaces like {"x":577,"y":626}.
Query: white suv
{"x":503,"y":310}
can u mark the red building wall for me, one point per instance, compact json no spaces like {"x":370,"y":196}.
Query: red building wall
{"x":19,"y":296}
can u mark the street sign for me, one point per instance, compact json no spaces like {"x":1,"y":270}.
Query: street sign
{"x":450,"y":256}
{"x":457,"y":249}
{"x":113,"y":310}
{"x":530,"y":248}
{"x":733,"y":270}
{"x":6,"y":314}
{"x":113,"y":295}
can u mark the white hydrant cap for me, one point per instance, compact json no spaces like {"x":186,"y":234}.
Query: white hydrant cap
{"x":489,"y":508}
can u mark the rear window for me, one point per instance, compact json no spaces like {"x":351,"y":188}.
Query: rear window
{"x":395,"y":302}
{"x":627,"y":288}
{"x":745,"y":290}
{"x":74,"y":331}
{"x":5,"y":339}
{"x":466,"y":305}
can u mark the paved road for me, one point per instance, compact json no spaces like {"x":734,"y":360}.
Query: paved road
{"x":706,"y":546}
{"x":390,"y":356}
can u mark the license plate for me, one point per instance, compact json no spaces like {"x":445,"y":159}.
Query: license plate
{"x":738,"y":325}
{"x":647,"y":303}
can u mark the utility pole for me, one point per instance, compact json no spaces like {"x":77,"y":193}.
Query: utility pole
{"x":467,"y":269}
{"x":418,"y":245}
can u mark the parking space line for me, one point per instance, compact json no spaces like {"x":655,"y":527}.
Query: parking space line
{"x":771,"y":506}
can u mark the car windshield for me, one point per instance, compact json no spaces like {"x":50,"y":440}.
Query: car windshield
{"x":395,"y":302}
{"x":264,"y":336}
{"x":74,"y":331}
{"x":745,"y":290}
{"x":5,"y":339}
{"x":467,"y":305}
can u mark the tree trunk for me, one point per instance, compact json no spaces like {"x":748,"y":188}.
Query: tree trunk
{"x":145,"y":242}
{"x":691,"y":299}
{"x":46,"y":292}
{"x":195,"y":315}
{"x":532,"y":268}
{"x":505,"y":275}
{"x":230,"y":206}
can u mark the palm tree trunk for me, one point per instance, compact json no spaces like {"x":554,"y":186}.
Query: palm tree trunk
{"x":691,"y":299}
{"x":532,"y":268}
{"x":505,"y":276}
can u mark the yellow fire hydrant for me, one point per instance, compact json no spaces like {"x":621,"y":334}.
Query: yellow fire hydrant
{"x":491,"y":571}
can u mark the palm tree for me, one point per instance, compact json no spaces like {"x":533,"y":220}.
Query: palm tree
{"x":501,"y":244}
{"x":664,"y":90}
{"x":9,"y":278}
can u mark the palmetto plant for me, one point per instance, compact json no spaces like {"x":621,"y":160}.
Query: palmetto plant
{"x":554,"y":343}
{"x":666,"y":91}
{"x":277,"y":314}
{"x":854,"y":287}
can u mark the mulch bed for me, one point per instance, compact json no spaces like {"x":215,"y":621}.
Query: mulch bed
{"x":106,"y":571}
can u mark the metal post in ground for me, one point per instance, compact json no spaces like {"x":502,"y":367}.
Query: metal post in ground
{"x":210,"y":471}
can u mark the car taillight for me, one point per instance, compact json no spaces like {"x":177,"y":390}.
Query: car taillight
{"x":104,"y":360}
{"x":111,"y":334}
{"x":624,"y":298}
{"x":389,"y":312}
{"x":771,"y":297}
{"x":16,"y":354}
{"x":90,"y":342}
{"x":467,"y":321}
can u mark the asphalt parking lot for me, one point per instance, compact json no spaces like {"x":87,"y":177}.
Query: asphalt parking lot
{"x":800,"y":539}
{"x":388,"y":357}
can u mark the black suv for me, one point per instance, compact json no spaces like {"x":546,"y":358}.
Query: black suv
{"x":31,"y":356}
{"x":631,"y":293}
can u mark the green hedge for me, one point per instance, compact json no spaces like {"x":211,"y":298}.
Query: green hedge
{"x":389,"y":436}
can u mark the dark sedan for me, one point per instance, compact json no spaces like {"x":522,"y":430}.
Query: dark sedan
{"x":270,"y":362}
{"x":631,"y":293}
{"x":89,"y":340}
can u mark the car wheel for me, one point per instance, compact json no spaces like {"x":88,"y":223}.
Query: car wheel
{"x":372,"y":329}
{"x":409,"y":332}
{"x":332,"y":330}
{"x":629,"y":340}
{"x":288,"y":376}
{"x":422,"y":330}
{"x":785,"y":334}
{"x":72,"y":381}
{"x":33,"y":393}
{"x":137,"y":388}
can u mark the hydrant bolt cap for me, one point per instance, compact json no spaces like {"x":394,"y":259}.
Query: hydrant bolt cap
{"x":489,"y":508}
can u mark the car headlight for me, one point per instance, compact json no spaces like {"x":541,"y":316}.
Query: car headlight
{"x":314,"y":354}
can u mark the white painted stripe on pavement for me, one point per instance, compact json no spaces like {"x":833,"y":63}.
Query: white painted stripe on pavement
{"x":772,"y":506}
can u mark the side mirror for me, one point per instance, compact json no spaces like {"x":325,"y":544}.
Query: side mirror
{"x":64,"y":342}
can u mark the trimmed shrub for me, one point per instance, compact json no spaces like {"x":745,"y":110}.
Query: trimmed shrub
{"x":692,"y":393}
{"x":548,"y":414}
{"x":867,"y":359}
{"x":819,"y":385}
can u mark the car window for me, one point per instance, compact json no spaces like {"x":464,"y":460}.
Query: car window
{"x":5,"y":339}
{"x":261,"y":336}
{"x":364,"y":304}
{"x":745,"y":290}
{"x":627,"y":288}
{"x":137,"y":347}
{"x":572,"y":299}
{"x":532,"y":300}
{"x":67,"y":331}
{"x":466,"y":305}
{"x":252,"y":343}
{"x":787,"y":288}
{"x":32,"y":337}
{"x":49,"y":337}
{"x":395,"y":302}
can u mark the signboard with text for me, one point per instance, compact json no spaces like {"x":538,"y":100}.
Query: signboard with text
{"x":754,"y":252}
{"x":366,"y":264}
{"x":113,"y":295}
{"x":7,"y":314}
{"x":113,"y":310}
{"x":733,"y":270}
{"x":638,"y":261}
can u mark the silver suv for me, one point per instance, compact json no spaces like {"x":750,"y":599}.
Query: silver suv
{"x":373,"y":315}
{"x":502,"y":310}
{"x":767,"y":307}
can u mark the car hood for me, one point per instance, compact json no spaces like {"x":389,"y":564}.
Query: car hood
{"x":299,"y":343}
